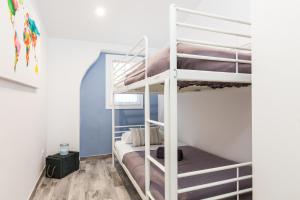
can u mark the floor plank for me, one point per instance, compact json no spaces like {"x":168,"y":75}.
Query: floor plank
{"x":96,"y":180}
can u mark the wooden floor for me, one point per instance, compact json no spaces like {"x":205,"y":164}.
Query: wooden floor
{"x":96,"y":180}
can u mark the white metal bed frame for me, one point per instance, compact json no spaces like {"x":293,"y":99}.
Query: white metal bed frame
{"x":170,"y":78}
{"x":116,"y":130}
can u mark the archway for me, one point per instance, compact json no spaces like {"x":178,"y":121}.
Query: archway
{"x":95,"y":119}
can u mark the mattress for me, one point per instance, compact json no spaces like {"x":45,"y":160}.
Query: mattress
{"x":160,"y":62}
{"x":194,"y":159}
{"x":122,"y":148}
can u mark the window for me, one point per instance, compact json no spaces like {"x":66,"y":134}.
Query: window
{"x":122,"y":101}
{"x":129,"y":101}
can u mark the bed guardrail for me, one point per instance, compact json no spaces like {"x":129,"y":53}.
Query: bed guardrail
{"x":133,"y":63}
{"x":194,"y":75}
{"x":119,"y":130}
{"x":222,"y":182}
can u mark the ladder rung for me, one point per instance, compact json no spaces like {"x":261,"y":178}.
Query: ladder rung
{"x":156,"y":123}
{"x":155,"y":162}
{"x":209,"y":185}
{"x":222,"y":196}
{"x":212,"y":58}
{"x":120,"y":132}
{"x":150,"y":195}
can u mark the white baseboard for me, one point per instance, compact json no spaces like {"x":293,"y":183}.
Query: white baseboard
{"x":36,"y":183}
{"x":96,"y":156}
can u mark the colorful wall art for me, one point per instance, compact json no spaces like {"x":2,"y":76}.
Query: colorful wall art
{"x":19,"y":42}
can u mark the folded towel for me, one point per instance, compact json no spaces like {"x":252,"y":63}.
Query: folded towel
{"x":160,"y":153}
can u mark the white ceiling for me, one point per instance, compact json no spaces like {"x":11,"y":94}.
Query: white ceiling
{"x":124,"y":23}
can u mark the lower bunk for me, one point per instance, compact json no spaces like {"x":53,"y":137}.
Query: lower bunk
{"x":133,"y":161}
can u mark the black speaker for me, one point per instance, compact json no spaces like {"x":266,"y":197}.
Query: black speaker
{"x":58,"y":166}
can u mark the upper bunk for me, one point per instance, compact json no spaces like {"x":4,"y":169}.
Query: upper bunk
{"x":200,"y":64}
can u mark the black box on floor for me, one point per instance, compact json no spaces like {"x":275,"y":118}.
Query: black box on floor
{"x":58,"y":166}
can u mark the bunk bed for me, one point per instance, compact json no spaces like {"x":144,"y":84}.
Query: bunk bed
{"x":187,"y":65}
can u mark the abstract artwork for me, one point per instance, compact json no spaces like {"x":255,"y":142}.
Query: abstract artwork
{"x":20,"y":42}
{"x":13,"y":6}
{"x":30,"y":36}
{"x":30,"y":33}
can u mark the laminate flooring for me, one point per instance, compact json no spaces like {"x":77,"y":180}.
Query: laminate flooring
{"x":96,"y":180}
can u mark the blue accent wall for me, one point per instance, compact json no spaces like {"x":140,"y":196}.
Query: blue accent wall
{"x":95,"y":120}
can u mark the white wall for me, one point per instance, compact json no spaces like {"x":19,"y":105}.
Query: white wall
{"x":23,"y":127}
{"x":68,"y":62}
{"x":218,"y":121}
{"x":239,"y":9}
{"x":276,"y":97}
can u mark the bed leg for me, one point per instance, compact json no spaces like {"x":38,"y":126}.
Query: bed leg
{"x":113,"y":131}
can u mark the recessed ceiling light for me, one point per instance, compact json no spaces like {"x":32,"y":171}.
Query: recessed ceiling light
{"x":100,"y":11}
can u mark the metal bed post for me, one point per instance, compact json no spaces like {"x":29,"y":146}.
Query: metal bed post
{"x":167,"y":136}
{"x":171,"y":180}
{"x":238,"y":183}
{"x":113,"y":130}
{"x":147,"y":124}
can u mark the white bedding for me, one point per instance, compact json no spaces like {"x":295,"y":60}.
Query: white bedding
{"x":122,"y":148}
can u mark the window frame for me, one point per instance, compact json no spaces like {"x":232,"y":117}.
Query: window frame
{"x":110,"y":59}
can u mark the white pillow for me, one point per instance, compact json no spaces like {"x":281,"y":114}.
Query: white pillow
{"x":161,"y":134}
{"x":154,"y":136}
{"x":127,"y":137}
{"x":138,"y":136}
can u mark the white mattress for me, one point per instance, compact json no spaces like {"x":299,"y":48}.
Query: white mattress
{"x":122,"y":148}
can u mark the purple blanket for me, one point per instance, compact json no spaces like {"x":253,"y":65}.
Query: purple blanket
{"x":194,"y":159}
